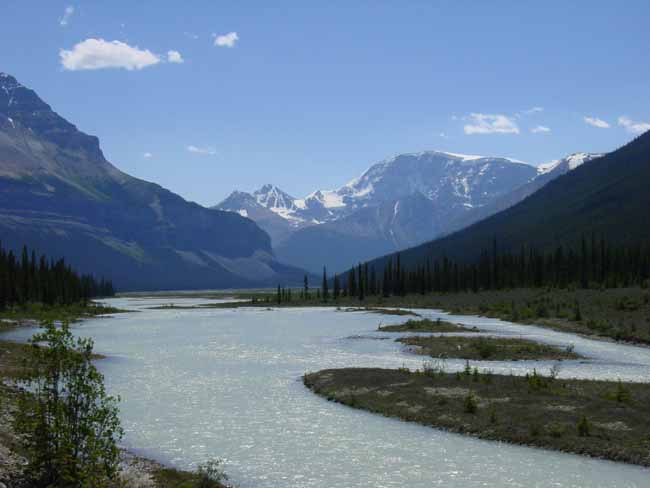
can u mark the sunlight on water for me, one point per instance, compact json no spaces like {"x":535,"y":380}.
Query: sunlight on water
{"x":197,"y":384}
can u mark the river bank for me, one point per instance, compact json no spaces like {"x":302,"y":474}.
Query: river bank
{"x":602,"y":419}
{"x":136,"y":471}
{"x":619,"y":314}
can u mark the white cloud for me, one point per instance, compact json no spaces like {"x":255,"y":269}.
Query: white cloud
{"x":174,"y":57}
{"x":540,"y":129}
{"x":596,"y":122}
{"x":632,"y":126}
{"x":443,"y":135}
{"x":99,"y":54}
{"x":226,"y":40}
{"x":147,"y":155}
{"x":490,"y":124}
{"x":206,"y":151}
{"x":67,"y":13}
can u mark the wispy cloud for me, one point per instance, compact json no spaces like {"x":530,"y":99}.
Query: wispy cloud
{"x":633,"y":126}
{"x":540,"y":129}
{"x":596,"y":122}
{"x":226,"y":40}
{"x":67,"y":14}
{"x":533,"y":110}
{"x":490,"y":124}
{"x":100,"y":54}
{"x":174,"y":57}
{"x":442,"y":135}
{"x":205,"y":151}
{"x":147,"y":155}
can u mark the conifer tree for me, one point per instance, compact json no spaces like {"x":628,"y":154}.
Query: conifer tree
{"x":306,"y":286}
{"x":326,"y":293}
{"x":337,"y":286}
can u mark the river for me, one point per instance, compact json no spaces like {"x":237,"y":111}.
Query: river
{"x":203,"y":383}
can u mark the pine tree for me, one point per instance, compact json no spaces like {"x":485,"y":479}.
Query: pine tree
{"x":337,"y":286}
{"x":306,"y":287}
{"x":326,"y":293}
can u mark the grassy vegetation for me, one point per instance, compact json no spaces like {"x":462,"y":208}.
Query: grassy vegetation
{"x":597,"y":418}
{"x":174,"y":478}
{"x":616,"y":313}
{"x":425,"y":325}
{"x":613,"y":313}
{"x":39,"y":312}
{"x":383,"y":311}
{"x":486,"y":348}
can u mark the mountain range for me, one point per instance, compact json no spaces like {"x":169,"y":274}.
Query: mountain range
{"x":397,"y":203}
{"x":60,"y":196}
{"x":607,"y":197}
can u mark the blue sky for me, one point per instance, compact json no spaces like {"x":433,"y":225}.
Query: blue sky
{"x":308,"y":94}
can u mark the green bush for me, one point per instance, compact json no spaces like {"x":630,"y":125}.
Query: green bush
{"x":470,"y":404}
{"x":68,"y":424}
{"x":555,"y":429}
{"x":584,"y":427}
{"x":485,"y":348}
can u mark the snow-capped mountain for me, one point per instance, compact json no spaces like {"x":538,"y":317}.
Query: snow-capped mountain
{"x":561,"y":166}
{"x":442,"y":178}
{"x":545,"y":173}
{"x":396,"y":203}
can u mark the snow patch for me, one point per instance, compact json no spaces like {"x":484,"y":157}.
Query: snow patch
{"x":572,"y":161}
{"x":464,"y":157}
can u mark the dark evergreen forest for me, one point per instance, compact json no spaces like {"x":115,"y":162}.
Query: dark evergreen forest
{"x":31,"y":279}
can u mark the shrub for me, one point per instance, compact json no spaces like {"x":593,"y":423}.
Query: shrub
{"x":578,"y":313}
{"x":468,"y":369}
{"x":555,"y":430}
{"x":584,"y":427}
{"x":470,"y":404}
{"x":69,"y":426}
{"x":493,"y":415}
{"x":534,"y":430}
{"x":485,"y":348}
{"x":621,"y":394}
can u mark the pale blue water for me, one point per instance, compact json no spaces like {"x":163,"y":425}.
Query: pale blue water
{"x":208,"y":383}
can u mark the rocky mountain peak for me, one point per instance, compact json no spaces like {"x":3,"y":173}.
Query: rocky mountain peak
{"x":24,"y":108}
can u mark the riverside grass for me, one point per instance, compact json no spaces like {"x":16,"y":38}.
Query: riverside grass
{"x":596,"y":418}
{"x":621,"y":314}
{"x":35,"y":313}
{"x":425,"y":325}
{"x":486,"y":348}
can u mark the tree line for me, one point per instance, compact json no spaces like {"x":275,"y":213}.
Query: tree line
{"x":592,"y":263}
{"x":28,"y":279}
